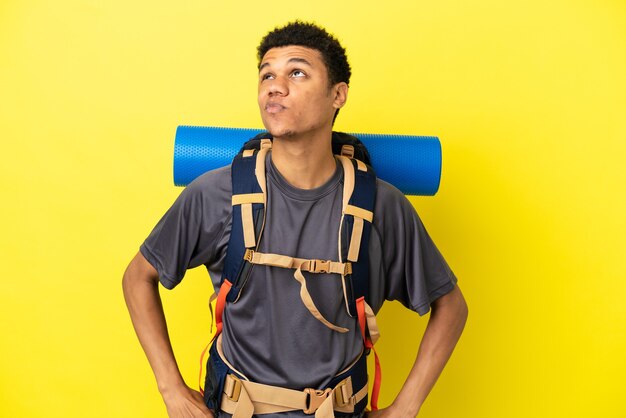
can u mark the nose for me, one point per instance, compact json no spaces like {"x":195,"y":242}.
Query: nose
{"x":277,"y":87}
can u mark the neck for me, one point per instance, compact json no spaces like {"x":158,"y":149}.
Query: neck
{"x":305,"y":162}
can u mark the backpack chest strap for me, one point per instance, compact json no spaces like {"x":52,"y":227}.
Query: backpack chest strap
{"x":301,"y":264}
{"x":285,"y":261}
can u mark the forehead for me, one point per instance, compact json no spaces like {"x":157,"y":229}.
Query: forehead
{"x":283,"y":54}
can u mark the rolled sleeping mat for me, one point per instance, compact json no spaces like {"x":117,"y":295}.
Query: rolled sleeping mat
{"x":410,"y":163}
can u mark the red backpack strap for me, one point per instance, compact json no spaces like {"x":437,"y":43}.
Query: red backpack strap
{"x":219,"y":311}
{"x":363,"y":312}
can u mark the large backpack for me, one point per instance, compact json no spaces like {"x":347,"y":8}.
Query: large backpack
{"x":249,"y":197}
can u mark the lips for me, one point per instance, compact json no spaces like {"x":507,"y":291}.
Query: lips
{"x":274,"y":107}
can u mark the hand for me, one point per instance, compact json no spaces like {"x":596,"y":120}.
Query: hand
{"x":389,"y":412}
{"x":184,"y":402}
{"x":381,"y":413}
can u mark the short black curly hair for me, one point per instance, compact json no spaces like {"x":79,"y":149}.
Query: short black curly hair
{"x":311,"y":36}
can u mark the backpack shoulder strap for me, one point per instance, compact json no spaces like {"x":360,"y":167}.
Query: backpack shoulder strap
{"x":249,"y":198}
{"x":359,"y":196}
{"x":350,"y":146}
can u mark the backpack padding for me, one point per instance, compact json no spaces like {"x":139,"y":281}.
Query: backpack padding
{"x":364,"y":197}
{"x":244,"y":181}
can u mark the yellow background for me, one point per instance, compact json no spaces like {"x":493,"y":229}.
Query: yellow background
{"x":528,"y":98}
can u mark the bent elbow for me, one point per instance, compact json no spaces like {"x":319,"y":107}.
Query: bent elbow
{"x":452,"y":305}
{"x":462,"y":308}
{"x":139,"y":270}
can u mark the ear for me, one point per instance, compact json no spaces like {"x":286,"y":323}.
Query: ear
{"x":341,"y":95}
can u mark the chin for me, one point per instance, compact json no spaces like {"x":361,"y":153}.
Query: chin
{"x":280,"y":131}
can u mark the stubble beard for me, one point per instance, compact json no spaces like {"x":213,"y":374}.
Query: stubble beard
{"x":284,"y":134}
{"x":281,"y":132}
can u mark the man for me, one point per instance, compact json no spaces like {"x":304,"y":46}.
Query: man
{"x":268,"y":334}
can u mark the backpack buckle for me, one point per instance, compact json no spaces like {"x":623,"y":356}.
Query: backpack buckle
{"x":232,"y":387}
{"x":248,"y":255}
{"x":315,"y":398}
{"x":266,"y":143}
{"x":347,"y":269}
{"x":347,"y":151}
{"x":343,"y":393}
{"x":320,"y":266}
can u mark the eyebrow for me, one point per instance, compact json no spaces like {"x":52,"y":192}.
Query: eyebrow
{"x":300,"y":60}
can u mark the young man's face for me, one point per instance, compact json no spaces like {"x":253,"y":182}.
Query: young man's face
{"x":295,"y":96}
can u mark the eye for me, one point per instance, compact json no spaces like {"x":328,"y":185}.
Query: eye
{"x":266,"y":76}
{"x":298,"y":73}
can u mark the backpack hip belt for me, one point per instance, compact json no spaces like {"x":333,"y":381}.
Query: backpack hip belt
{"x":242,"y":398}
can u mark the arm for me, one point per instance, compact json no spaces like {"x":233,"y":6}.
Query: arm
{"x":141,"y":292}
{"x":446,"y":323}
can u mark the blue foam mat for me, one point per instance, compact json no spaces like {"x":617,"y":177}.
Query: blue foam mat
{"x":411,"y":163}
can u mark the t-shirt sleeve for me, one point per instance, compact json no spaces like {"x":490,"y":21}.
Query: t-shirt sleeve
{"x":189,"y":233}
{"x":415,"y":273}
